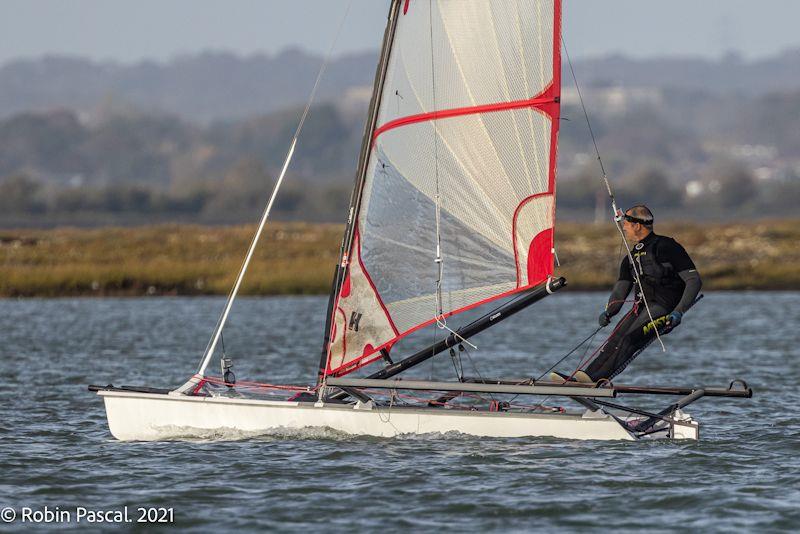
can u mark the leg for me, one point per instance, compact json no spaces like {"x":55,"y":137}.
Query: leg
{"x":604,"y":362}
{"x":631,"y":336}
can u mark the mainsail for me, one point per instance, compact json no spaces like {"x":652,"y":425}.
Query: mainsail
{"x":455,"y":203}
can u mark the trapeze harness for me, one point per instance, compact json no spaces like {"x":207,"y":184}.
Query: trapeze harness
{"x":669,"y":281}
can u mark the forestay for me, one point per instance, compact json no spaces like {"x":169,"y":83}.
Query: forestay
{"x":461,"y":168}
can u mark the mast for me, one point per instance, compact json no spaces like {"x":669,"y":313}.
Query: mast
{"x":355,"y":197}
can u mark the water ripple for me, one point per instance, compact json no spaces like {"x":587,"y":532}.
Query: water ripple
{"x":56,"y":450}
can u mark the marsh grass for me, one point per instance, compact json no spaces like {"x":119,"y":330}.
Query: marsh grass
{"x":171,"y":260}
{"x":751,"y":255}
{"x":298,"y":258}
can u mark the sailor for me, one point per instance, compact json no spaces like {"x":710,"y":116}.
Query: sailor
{"x":668,"y":284}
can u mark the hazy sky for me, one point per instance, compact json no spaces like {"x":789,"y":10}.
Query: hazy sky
{"x":131,"y":30}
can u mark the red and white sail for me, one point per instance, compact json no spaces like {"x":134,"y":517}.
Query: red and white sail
{"x":467,"y":119}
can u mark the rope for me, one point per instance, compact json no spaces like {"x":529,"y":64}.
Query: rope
{"x":458,"y":365}
{"x":585,"y":361}
{"x":475,"y":367}
{"x":614,"y":208}
{"x":567,"y":355}
{"x":322,"y":69}
{"x":441,"y":322}
{"x":256,"y":385}
{"x":588,"y":340}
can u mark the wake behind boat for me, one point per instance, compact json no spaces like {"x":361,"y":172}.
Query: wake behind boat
{"x":453,"y":208}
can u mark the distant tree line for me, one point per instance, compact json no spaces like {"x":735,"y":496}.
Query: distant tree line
{"x":52,"y":165}
{"x":239,"y":197}
{"x":58,"y":168}
{"x":726,"y":189}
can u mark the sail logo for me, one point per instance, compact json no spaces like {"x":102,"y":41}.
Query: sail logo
{"x":355,"y":318}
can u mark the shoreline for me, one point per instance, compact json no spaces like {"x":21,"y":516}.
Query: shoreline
{"x":122,"y":296}
{"x":299,"y":258}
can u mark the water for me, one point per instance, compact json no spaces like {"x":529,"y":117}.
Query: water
{"x":55,"y":448}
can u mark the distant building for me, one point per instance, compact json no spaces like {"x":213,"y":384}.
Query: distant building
{"x":616,"y":100}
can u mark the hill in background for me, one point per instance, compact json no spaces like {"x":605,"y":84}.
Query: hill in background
{"x":198,"y":88}
{"x":201,"y":138}
{"x":223,"y":86}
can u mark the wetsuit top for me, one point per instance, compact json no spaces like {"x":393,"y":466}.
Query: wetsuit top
{"x":667,"y":273}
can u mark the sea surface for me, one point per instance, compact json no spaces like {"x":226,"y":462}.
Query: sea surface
{"x":56,"y":452}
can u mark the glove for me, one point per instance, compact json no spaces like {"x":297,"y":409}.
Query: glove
{"x":604,"y":319}
{"x":674,"y":319}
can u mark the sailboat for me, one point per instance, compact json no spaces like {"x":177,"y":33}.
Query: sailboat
{"x":453,"y":208}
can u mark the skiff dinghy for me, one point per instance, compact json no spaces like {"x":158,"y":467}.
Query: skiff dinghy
{"x":453,"y":208}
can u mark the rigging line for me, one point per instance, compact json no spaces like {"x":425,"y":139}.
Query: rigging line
{"x":588,"y":339}
{"x":475,"y":368}
{"x":614,"y":208}
{"x":461,"y":338}
{"x":583,"y":357}
{"x":458,"y":365}
{"x":585,"y":361}
{"x":209,"y":352}
{"x":441,"y":322}
{"x":438,"y":259}
{"x":322,"y":69}
{"x":588,"y":122}
{"x":636,"y":275}
{"x":433,"y":342}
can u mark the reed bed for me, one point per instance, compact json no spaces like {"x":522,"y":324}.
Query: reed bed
{"x":299,"y":258}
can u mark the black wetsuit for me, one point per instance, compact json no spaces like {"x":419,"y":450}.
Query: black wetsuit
{"x":669,"y":282}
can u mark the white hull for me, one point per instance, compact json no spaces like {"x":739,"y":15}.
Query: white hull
{"x":147,"y":417}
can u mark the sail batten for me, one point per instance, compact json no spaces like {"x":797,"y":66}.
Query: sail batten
{"x":462,"y":155}
{"x":457,"y":112}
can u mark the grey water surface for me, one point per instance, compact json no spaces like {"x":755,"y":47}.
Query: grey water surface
{"x":56,"y":451}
